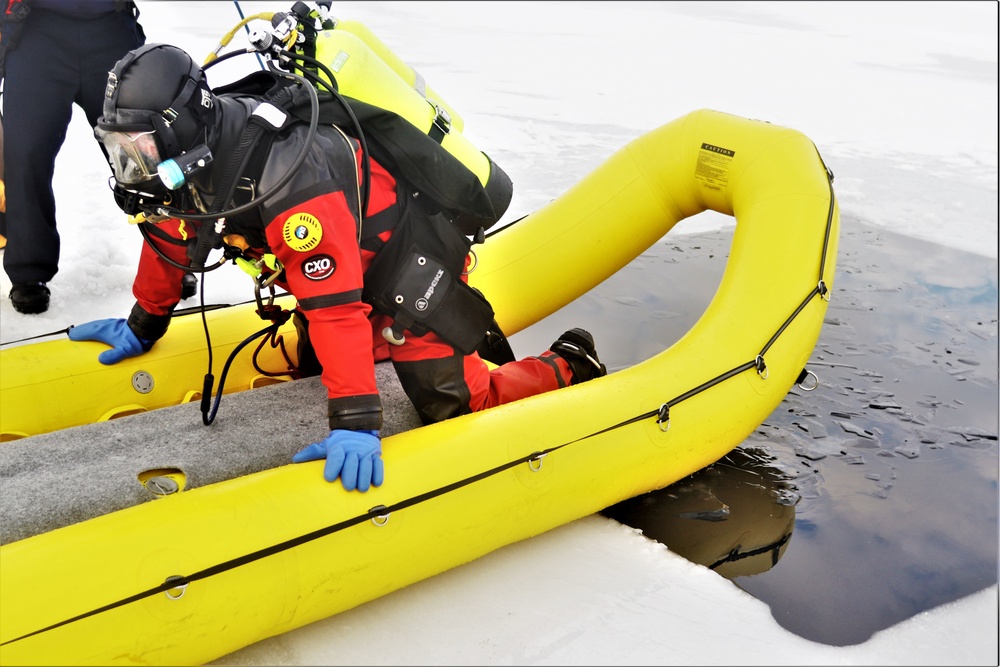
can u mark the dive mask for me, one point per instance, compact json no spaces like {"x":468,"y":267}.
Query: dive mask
{"x":134,"y":156}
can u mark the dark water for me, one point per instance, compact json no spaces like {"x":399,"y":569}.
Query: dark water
{"x":868,"y":500}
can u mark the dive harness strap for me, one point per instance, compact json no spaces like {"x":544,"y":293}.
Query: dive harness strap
{"x":264,"y":122}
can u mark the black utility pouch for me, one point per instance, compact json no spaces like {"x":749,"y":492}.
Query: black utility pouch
{"x":416,"y":280}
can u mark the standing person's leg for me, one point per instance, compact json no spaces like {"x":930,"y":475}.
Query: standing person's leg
{"x":60,"y":60}
{"x":39,"y":86}
{"x":103,"y":42}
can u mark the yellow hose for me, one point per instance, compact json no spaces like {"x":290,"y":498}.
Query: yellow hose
{"x":224,"y":42}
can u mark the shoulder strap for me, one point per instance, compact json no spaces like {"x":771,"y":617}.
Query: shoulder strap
{"x":249,"y":155}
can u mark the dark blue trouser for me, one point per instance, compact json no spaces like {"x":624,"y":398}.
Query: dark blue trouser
{"x":59,"y":60}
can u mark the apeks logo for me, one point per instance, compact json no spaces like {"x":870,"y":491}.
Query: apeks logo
{"x":318,"y":267}
{"x":424,"y":301}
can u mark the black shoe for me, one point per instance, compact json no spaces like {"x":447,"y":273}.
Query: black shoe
{"x":576,"y":346}
{"x":30,"y":298}
{"x":189,"y":286}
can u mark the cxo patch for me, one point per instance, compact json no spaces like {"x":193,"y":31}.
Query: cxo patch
{"x":318,"y":267}
{"x":302,"y":232}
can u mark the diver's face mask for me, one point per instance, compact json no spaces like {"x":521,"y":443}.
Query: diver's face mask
{"x":142,"y":179}
{"x":134,"y":156}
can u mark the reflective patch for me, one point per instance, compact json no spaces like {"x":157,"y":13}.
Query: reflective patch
{"x":302,"y":232}
{"x":318,"y":267}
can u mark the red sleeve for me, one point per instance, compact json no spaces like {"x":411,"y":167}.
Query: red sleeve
{"x":316,"y":242}
{"x":157,"y":285}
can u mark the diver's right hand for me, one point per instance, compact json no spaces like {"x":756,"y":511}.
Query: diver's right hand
{"x":114,"y":332}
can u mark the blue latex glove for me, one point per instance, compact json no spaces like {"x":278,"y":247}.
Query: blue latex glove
{"x":114,"y":332}
{"x":354,"y":456}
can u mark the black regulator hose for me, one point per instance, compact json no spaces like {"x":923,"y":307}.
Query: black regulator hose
{"x":210,"y":409}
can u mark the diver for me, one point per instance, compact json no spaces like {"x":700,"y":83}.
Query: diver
{"x":290,"y":203}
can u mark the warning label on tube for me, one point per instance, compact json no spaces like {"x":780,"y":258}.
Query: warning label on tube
{"x":713,"y":165}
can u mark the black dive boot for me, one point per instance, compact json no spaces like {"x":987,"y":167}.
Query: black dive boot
{"x":189,"y":286}
{"x":576,"y":346}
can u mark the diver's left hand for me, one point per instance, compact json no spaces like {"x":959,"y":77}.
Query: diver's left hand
{"x":354,"y":456}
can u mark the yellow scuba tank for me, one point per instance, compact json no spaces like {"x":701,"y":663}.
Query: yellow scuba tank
{"x":463,"y":180}
{"x":412,"y":77}
{"x":363,"y":74}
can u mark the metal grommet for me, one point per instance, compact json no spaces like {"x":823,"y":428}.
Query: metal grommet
{"x":663,"y":417}
{"x":182,"y":588}
{"x":399,"y":298}
{"x":535,"y":462}
{"x":421,"y":260}
{"x":761,"y":367}
{"x":814,"y":384}
{"x":379,"y":514}
{"x":823,"y":290}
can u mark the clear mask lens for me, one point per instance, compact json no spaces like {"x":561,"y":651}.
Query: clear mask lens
{"x":134,"y":156}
